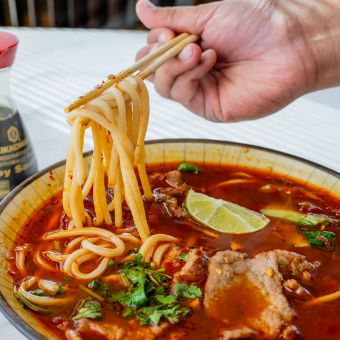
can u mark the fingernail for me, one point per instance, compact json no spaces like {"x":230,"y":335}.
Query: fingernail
{"x":154,"y":48}
{"x":163,"y":38}
{"x":186,"y":53}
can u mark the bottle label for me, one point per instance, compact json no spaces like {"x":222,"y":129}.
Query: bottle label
{"x":17,"y":160}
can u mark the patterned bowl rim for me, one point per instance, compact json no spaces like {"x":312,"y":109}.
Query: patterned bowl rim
{"x":22,"y":325}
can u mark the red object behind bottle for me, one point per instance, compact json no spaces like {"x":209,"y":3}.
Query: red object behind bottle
{"x":8,"y":48}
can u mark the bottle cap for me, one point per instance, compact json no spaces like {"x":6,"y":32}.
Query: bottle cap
{"x":8,"y":47}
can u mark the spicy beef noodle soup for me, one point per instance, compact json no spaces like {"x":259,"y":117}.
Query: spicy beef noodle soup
{"x":178,"y":252}
{"x":279,"y":280}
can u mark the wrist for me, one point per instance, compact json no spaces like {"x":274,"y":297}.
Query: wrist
{"x":314,"y":28}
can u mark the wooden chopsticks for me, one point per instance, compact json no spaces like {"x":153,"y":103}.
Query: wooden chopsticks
{"x":143,"y":67}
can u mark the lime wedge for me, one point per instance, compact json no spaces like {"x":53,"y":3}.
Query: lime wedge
{"x":223,"y":216}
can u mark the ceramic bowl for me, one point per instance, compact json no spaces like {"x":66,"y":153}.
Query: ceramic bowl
{"x":28,"y":197}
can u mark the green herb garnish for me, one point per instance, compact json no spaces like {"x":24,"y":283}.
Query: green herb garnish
{"x":38,"y":292}
{"x":186,"y":291}
{"x":31,"y":305}
{"x":68,"y":279}
{"x":148,"y":298}
{"x":111,"y":263}
{"x":298,"y":218}
{"x":95,"y":284}
{"x":133,"y":251}
{"x":184,"y":257}
{"x":165,"y":299}
{"x":101,"y":287}
{"x":128,"y":311}
{"x":60,"y":290}
{"x":188,"y":167}
{"x":321,"y":239}
{"x":89,"y":309}
{"x":153,"y":314}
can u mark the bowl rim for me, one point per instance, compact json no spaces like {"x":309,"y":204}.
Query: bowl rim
{"x":20,"y":324}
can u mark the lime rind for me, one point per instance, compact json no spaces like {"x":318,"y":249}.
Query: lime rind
{"x":222,"y":215}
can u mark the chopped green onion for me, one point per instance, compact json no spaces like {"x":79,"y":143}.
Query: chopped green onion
{"x":102,"y":287}
{"x":90,"y":292}
{"x":38,"y":292}
{"x":298,"y":218}
{"x":60,"y":290}
{"x":31,"y":305}
{"x":68,"y":279}
{"x":188,"y":167}
{"x":184,"y":257}
{"x":111,"y":263}
{"x":95,"y":284}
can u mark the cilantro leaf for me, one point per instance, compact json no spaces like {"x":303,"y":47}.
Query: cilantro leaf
{"x":186,"y":291}
{"x":157,"y":276}
{"x":137,"y":295}
{"x":89,"y":309}
{"x":136,"y":261}
{"x":128,"y":311}
{"x":102,"y":287}
{"x":164,"y":299}
{"x":153,"y":314}
{"x":321,"y":239}
{"x":148,"y":294}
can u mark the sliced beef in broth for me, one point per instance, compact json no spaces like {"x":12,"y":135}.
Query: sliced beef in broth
{"x":248,"y":292}
{"x":194,"y":269}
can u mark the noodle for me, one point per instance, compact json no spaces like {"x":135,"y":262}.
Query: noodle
{"x":159,"y":253}
{"x":40,"y":300}
{"x":149,"y":245}
{"x":50,"y":286}
{"x":71,"y":334}
{"x":99,"y":250}
{"x":40,"y":261}
{"x":55,"y":256}
{"x":92,"y":275}
{"x":74,"y":243}
{"x":129,"y":237}
{"x":118,"y":120}
{"x":20,"y":257}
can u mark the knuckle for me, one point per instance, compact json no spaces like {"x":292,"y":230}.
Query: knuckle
{"x":181,"y":90}
{"x":172,"y":14}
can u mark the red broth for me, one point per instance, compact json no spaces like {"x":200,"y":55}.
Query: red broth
{"x":260,"y":190}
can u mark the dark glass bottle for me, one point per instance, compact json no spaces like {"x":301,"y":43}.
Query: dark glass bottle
{"x":17,"y":159}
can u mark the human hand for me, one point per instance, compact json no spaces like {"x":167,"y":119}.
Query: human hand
{"x":254,"y":57}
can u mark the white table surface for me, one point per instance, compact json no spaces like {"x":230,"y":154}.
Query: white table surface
{"x":54,"y":66}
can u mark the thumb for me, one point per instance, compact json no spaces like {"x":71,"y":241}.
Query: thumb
{"x":180,"y":19}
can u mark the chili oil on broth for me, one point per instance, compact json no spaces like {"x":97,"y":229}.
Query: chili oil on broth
{"x":257,"y":191}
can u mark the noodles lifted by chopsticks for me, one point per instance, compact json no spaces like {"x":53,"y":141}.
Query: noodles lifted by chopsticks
{"x":118,"y":119}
